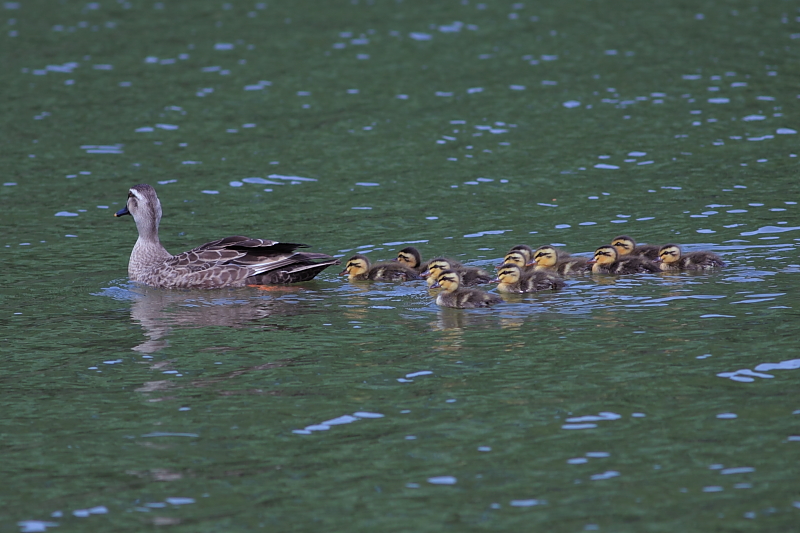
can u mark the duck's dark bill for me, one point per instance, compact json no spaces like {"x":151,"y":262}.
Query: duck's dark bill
{"x":122,"y":212}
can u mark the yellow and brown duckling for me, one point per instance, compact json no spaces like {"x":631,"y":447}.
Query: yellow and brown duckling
{"x":453,"y":295}
{"x":359,"y":268}
{"x":549,"y":259}
{"x":411,"y":257}
{"x":627,"y":246}
{"x":524,"y":249}
{"x":520,"y":258}
{"x":607,"y":261}
{"x":670,"y":258}
{"x":514,"y":280}
{"x":469,"y":275}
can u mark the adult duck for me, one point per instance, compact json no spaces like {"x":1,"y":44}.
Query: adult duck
{"x":230,"y":262}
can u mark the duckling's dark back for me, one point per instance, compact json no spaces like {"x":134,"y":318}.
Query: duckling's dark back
{"x":391,"y":271}
{"x":633,"y":265}
{"x":572,"y":265}
{"x":541,"y":281}
{"x":466,"y":298}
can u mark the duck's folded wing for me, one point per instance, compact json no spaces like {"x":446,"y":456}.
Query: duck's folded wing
{"x":232,"y":260}
{"x":249,"y":246}
{"x":235,"y":250}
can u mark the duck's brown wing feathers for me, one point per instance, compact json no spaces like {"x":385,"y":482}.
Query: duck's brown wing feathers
{"x":235,"y":260}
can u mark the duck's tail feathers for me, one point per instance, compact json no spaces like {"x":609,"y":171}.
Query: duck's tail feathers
{"x":300,"y":267}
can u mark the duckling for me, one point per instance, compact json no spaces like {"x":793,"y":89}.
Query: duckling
{"x":513,"y":280}
{"x":519,"y":258}
{"x":670,"y":258}
{"x":358,"y":268}
{"x":411,"y":257}
{"x":524,"y":249}
{"x":469,"y":275}
{"x":547,"y":258}
{"x":461,"y":298}
{"x":607,"y":261}
{"x":627,"y":246}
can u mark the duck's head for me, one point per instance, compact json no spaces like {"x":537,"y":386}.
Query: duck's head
{"x":524,"y":249}
{"x":448,"y":280}
{"x":410,"y":257}
{"x":435,"y":267}
{"x":145,"y":208}
{"x":623,"y":244}
{"x":669,"y":253}
{"x":515,"y":257}
{"x":605,"y":255}
{"x":545,"y":256}
{"x":508,"y":273}
{"x":358,"y":264}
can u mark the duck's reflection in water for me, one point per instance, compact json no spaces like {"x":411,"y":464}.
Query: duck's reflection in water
{"x":162,"y":387}
{"x":159,"y":311}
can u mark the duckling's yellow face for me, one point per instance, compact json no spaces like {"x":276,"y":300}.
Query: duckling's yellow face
{"x":407,"y":259}
{"x":448,"y":281}
{"x":545,"y":256}
{"x":509,"y":273}
{"x":355,"y":266}
{"x":437,"y":266}
{"x":623,"y":245}
{"x":669,"y":254}
{"x":605,"y":255}
{"x":525,"y":251}
{"x":515,"y":258}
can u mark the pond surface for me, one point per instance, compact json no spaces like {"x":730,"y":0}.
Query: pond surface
{"x":641,"y":403}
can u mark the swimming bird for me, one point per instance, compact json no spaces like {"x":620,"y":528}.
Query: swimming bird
{"x":230,"y":262}
{"x":359,"y":268}
{"x":627,"y":246}
{"x":452,"y":295}
{"x":670,"y":258}
{"x":524,"y":249}
{"x":513,"y":280}
{"x":411,"y":257}
{"x":606,"y":261}
{"x":519,"y":258}
{"x":548,"y":258}
{"x":469,"y":275}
